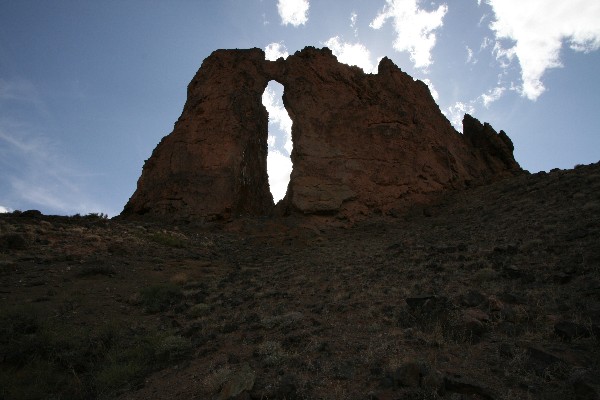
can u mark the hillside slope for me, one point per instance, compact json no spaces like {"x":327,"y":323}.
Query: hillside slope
{"x":491,"y":293}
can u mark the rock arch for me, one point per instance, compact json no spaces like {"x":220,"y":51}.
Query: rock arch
{"x":363,"y":143}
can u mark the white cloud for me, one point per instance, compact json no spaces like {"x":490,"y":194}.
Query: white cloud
{"x":483,"y":18}
{"x":485,"y":43}
{"x":470,"y":59}
{"x":352,"y":54}
{"x":353,"y":19}
{"x":504,"y":56}
{"x":492,"y":95}
{"x":279,"y":117}
{"x":275,"y":50}
{"x":279,"y":168}
{"x":456,"y":112}
{"x":294,"y":12}
{"x":434,"y":93}
{"x":4,"y":210}
{"x":538,"y":30}
{"x":279,"y":165}
{"x":414,"y":27}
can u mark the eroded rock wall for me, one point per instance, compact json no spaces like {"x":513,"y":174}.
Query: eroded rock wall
{"x":214,"y":163}
{"x":363,"y":143}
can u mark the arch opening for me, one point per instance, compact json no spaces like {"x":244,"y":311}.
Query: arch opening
{"x":279,"y":163}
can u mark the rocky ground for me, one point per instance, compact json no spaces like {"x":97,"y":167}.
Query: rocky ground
{"x":491,"y":293}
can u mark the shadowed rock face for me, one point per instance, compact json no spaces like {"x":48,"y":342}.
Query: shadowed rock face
{"x":363,"y":143}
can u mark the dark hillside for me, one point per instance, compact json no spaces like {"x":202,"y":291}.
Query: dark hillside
{"x":491,"y":293}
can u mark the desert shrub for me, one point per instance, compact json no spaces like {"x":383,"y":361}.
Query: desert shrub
{"x":39,"y":358}
{"x":49,"y":358}
{"x":125,"y":362}
{"x":173,"y":348}
{"x":118,"y":375}
{"x":96,"y":216}
{"x":272,"y":353}
{"x":93,"y":270}
{"x":160,"y":297}
{"x":18,"y":321}
{"x":215,"y":380}
{"x":180,"y":278}
{"x":169,"y":239}
{"x":286,"y":321}
{"x":13,"y":241}
{"x":199,"y":310}
{"x":486,"y":274}
{"x":38,"y":379}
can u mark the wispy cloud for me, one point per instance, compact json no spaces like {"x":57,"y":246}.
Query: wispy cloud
{"x":275,"y":50}
{"x":536,"y":39}
{"x":457,"y":111}
{"x":352,"y":54}
{"x":293,"y":12}
{"x":434,"y":93}
{"x":4,"y":210}
{"x":483,"y":18}
{"x":485,"y":43}
{"x":35,"y":171}
{"x":353,"y":19}
{"x":415,"y":28}
{"x":24,"y":92}
{"x":36,"y":175}
{"x":492,"y":95}
{"x":470,"y":58}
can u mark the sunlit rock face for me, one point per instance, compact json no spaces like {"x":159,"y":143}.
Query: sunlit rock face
{"x":364,"y":144}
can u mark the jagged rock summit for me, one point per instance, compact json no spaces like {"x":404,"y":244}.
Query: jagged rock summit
{"x":364,"y":144}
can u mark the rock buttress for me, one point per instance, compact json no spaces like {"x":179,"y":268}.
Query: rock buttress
{"x":214,"y":163}
{"x":363,"y":143}
{"x":375,"y":143}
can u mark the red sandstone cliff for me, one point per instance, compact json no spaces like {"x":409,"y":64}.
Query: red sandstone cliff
{"x":363,"y":143}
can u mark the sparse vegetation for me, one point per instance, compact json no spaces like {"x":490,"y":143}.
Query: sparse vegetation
{"x":160,"y":297}
{"x":169,"y":239}
{"x":198,"y":310}
{"x":44,"y":357}
{"x":98,"y":269}
{"x":489,"y":296}
{"x":173,"y":348}
{"x":272,"y":353}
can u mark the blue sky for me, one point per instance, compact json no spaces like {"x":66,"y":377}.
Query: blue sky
{"x":88,"y":88}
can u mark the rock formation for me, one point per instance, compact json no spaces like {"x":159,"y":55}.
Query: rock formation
{"x":363,"y":143}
